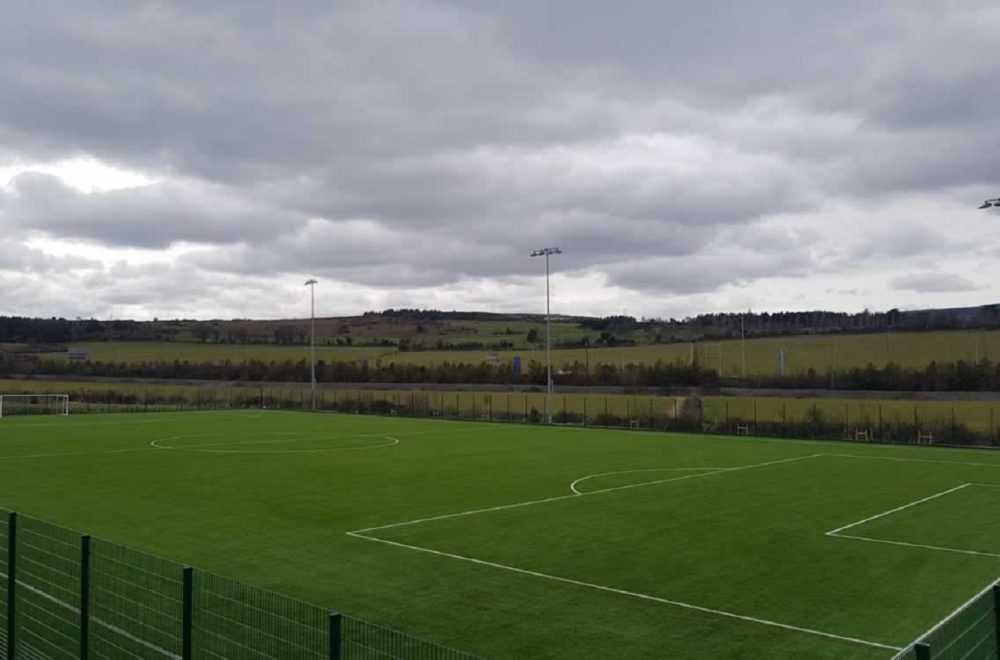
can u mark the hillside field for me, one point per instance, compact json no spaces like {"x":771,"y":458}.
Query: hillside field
{"x":821,"y":353}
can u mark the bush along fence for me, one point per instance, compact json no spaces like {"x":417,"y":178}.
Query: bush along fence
{"x":971,"y":631}
{"x":966,"y":423}
{"x":66,"y":595}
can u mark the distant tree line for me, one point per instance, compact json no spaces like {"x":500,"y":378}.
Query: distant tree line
{"x":955,"y":376}
{"x":614,"y":330}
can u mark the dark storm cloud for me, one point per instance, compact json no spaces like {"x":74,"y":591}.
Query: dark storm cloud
{"x":420,"y":143}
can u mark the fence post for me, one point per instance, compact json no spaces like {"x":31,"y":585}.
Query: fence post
{"x":11,"y":583}
{"x":922,"y":651}
{"x":335,"y":621}
{"x":84,"y":597}
{"x":187,"y":614}
{"x":996,"y":613}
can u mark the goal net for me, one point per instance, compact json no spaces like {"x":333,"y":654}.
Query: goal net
{"x":34,"y":404}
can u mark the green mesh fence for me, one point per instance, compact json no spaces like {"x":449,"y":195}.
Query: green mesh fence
{"x":968,"y":633}
{"x":3,"y":582}
{"x":363,"y":640}
{"x":135,"y":604}
{"x":48,"y":589}
{"x":236,"y":620}
{"x":76,"y":596}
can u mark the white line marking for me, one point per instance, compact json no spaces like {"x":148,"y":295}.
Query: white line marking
{"x":914,"y":545}
{"x":897,"y":509}
{"x":195,"y":448}
{"x":837,"y":532}
{"x":74,"y":453}
{"x":632,"y":594}
{"x":916,"y":460}
{"x":585,"y":494}
{"x":573,"y":485}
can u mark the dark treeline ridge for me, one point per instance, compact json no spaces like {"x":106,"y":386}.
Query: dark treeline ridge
{"x":953,"y":376}
{"x":56,"y":331}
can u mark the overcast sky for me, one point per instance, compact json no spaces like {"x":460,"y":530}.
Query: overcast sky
{"x":203,"y":159}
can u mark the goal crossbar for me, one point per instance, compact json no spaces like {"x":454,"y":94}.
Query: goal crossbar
{"x":24,"y":404}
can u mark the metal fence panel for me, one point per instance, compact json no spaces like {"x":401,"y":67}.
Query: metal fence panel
{"x":363,"y":640}
{"x":3,"y":582}
{"x":135,"y":604}
{"x":968,"y":633}
{"x":236,"y":620}
{"x":48,"y":590}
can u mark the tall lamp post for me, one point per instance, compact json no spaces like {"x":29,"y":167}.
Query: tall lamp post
{"x":990,"y":202}
{"x":547,"y":252}
{"x":311,"y":283}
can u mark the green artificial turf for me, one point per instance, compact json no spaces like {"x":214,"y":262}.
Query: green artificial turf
{"x":679,"y":545}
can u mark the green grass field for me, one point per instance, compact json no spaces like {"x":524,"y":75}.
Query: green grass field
{"x":821,"y":353}
{"x":514,"y":541}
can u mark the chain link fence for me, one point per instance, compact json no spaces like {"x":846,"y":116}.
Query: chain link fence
{"x":66,"y":595}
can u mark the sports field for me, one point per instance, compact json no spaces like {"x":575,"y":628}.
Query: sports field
{"x":513,"y":541}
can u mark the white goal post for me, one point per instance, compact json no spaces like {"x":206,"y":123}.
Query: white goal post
{"x":33,"y":404}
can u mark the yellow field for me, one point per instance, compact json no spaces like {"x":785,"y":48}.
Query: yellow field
{"x":158,"y":351}
{"x":820,"y":353}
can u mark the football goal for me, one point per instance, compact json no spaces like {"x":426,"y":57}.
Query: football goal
{"x":34,"y":404}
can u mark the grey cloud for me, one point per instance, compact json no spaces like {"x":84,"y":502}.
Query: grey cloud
{"x":155,"y":215}
{"x":703,"y":273}
{"x":16,"y":256}
{"x":408,"y":143}
{"x":932,"y":282}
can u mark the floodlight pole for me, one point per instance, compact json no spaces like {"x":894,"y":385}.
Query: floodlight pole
{"x":549,"y":386}
{"x":312,"y":336}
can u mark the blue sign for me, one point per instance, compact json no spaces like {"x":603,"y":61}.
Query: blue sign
{"x":517,"y":365}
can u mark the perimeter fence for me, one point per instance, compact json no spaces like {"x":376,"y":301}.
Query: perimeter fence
{"x":970,"y":632}
{"x":67,"y":595}
{"x":965,"y":423}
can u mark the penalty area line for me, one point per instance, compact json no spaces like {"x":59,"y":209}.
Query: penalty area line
{"x":633,"y":594}
{"x":835,"y":532}
{"x":588,"y":493}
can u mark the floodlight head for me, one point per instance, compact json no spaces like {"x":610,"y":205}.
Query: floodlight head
{"x":990,"y":202}
{"x":985,"y":205}
{"x":308,"y":282}
{"x":545,"y":252}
